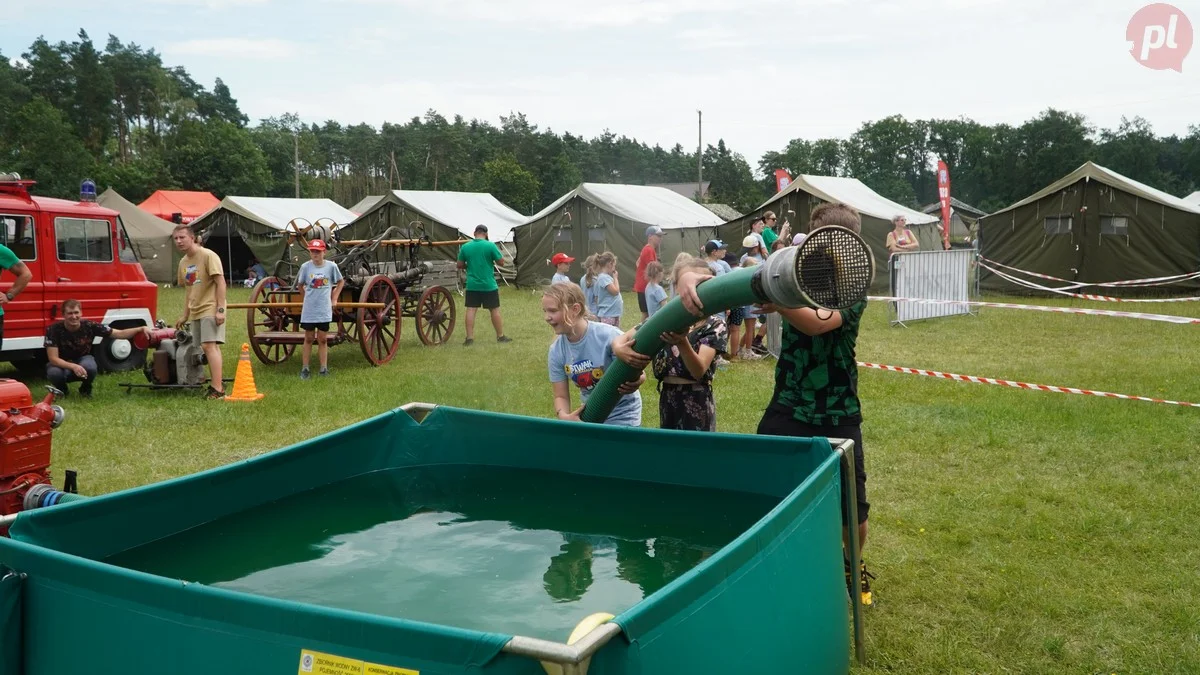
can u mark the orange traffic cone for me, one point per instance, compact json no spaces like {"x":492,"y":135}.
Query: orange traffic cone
{"x":243,"y":381}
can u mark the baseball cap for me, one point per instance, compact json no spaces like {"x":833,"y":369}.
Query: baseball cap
{"x":480,"y":228}
{"x":653,"y":229}
{"x":750,"y":241}
{"x":316,"y":245}
{"x":560,"y":258}
{"x":799,"y":238}
{"x":714,"y":245}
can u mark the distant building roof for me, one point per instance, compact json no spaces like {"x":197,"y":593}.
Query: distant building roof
{"x":723,"y":211}
{"x":956,"y":204}
{"x":686,"y":189}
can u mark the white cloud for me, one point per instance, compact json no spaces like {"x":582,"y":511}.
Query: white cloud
{"x":258,"y":49}
{"x":579,"y":14}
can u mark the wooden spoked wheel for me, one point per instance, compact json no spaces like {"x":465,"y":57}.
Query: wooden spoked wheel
{"x":379,"y":329}
{"x":261,"y":320}
{"x":435,"y":316}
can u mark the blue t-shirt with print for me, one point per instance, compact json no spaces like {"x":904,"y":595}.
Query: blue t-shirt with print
{"x":318,"y":283}
{"x":719,"y":267}
{"x":654,"y":298}
{"x":607,"y":304}
{"x":584,"y":363}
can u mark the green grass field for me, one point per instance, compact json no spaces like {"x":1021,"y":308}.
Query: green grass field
{"x":1011,"y":532}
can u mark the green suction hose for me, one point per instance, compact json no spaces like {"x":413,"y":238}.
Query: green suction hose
{"x":832,"y":269}
{"x":717,"y":295}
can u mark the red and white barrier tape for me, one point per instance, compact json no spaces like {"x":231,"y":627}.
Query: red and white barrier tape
{"x":1021,"y":385}
{"x":1166,"y":318}
{"x":1155,"y":281}
{"x":1082,"y":296}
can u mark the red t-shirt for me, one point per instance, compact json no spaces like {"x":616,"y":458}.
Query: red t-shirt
{"x":648,"y":256}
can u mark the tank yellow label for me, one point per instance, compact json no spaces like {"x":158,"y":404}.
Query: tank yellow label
{"x":320,"y":663}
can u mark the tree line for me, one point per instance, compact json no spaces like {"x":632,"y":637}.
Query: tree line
{"x":127,"y":120}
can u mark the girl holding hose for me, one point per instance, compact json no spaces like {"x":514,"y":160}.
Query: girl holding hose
{"x":580,"y":354}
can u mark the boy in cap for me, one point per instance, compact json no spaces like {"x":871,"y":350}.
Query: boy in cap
{"x":479,"y":257}
{"x":648,"y":255}
{"x":320,"y":283}
{"x":562,"y":264}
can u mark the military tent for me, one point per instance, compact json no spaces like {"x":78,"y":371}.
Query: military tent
{"x":241,"y":229}
{"x":963,"y":218}
{"x":188,"y":205}
{"x":1093,"y":226}
{"x":149,"y":235}
{"x":806,"y":192}
{"x":365,"y":203}
{"x":438,"y":215}
{"x":597,"y":217}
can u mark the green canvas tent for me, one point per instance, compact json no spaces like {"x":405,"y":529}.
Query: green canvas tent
{"x":963,"y":218}
{"x":596,"y":217}
{"x":240,"y":229}
{"x":365,"y":203}
{"x":437,"y":214}
{"x":149,"y":235}
{"x":1093,"y":225}
{"x":806,"y":192}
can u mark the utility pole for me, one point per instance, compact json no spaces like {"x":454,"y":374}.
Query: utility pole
{"x":296,"y":160}
{"x":699,"y":157}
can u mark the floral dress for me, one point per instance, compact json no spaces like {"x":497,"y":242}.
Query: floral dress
{"x":690,"y":406}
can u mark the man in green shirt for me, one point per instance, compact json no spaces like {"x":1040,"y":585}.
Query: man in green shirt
{"x":10,"y":261}
{"x":479,"y":257}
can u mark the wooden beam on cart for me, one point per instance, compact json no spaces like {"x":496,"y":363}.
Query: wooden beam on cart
{"x":402,"y":242}
{"x":271,"y":305}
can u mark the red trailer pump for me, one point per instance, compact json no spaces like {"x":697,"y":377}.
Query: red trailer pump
{"x":25,"y":449}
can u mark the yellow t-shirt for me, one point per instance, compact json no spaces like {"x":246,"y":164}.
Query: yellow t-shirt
{"x":199,"y":272}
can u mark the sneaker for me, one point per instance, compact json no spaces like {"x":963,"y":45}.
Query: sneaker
{"x":86,"y":393}
{"x":304,"y":373}
{"x":747,"y":355}
{"x":864,"y":583}
{"x":721,"y":362}
{"x":213,"y":394}
{"x":503,"y":338}
{"x":324,"y":372}
{"x":468,"y":342}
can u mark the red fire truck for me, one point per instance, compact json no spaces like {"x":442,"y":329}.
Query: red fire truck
{"x":75,"y":250}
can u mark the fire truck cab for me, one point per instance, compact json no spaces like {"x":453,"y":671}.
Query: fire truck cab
{"x":75,"y":250}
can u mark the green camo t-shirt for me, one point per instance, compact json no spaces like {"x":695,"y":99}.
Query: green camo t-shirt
{"x":7,"y":260}
{"x":480,"y":254}
{"x":816,"y":377}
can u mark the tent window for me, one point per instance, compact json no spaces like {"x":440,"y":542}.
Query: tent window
{"x":596,"y":235}
{"x":18,"y":236}
{"x":1058,"y":225}
{"x":1116,"y":226}
{"x":83,"y":240}
{"x":562,"y":235}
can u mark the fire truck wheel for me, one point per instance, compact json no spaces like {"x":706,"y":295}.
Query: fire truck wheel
{"x":114,"y":356}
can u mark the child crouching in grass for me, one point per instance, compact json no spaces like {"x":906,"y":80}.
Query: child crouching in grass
{"x":685,"y":366}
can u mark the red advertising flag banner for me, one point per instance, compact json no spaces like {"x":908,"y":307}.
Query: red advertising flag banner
{"x":944,"y":198}
{"x":782,"y":179}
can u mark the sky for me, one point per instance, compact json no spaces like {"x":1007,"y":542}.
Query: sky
{"x":761,"y":71}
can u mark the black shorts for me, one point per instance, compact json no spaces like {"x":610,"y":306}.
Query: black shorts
{"x":323,"y":327}
{"x":642,"y":302}
{"x":777,"y":423}
{"x":484,"y":299}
